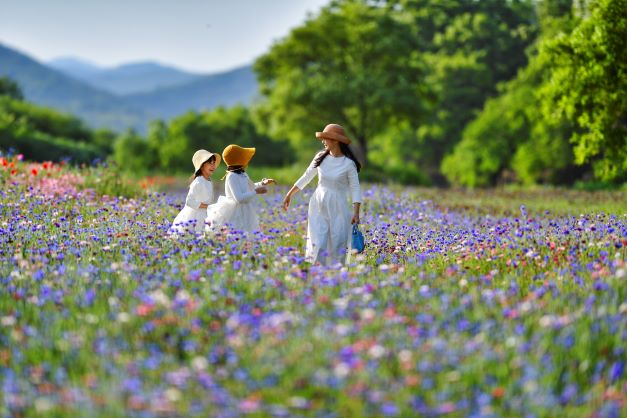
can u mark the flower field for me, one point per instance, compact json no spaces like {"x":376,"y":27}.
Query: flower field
{"x":451,"y":311}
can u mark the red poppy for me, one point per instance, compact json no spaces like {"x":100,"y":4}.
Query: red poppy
{"x":34,"y":171}
{"x":498,"y":392}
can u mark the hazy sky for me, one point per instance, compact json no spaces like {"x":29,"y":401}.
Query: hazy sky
{"x":196,"y":35}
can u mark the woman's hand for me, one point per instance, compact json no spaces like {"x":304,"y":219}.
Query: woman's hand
{"x":288,"y":197}
{"x":286,"y":201}
{"x":261,"y":190}
{"x":356,"y":207}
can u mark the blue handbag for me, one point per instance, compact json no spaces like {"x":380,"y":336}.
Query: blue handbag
{"x":357,"y":243}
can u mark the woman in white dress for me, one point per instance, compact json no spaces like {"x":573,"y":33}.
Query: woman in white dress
{"x":192,"y":217}
{"x":237,"y":209}
{"x":329,"y":217}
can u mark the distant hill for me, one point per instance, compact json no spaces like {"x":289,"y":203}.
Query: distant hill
{"x":126,"y":79}
{"x":48,"y":87}
{"x":74,"y":67}
{"x":183,"y":91}
{"x":238,"y":86}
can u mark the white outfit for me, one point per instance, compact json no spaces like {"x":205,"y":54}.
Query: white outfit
{"x":329,"y":216}
{"x":237,"y":208}
{"x":191,"y":218}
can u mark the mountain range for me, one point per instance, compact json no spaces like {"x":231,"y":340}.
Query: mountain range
{"x":132,"y":78}
{"x":127,"y":96}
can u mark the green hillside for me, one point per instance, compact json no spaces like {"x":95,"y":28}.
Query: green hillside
{"x":45,"y":86}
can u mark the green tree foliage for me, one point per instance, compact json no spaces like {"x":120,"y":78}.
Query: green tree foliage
{"x":44,"y":134}
{"x":131,"y":152}
{"x":470,"y":46}
{"x":588,"y":87}
{"x":557,"y":100}
{"x":356,"y":63}
{"x":10,"y":88}
{"x":169,"y":147}
{"x":512,"y":136}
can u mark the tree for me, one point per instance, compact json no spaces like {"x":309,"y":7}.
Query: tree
{"x":512,"y":135}
{"x":515,"y":133}
{"x":130,"y":152}
{"x":173,"y":145}
{"x":470,"y":47}
{"x":10,"y":88}
{"x":588,"y":86}
{"x":44,"y":134}
{"x":356,"y":63}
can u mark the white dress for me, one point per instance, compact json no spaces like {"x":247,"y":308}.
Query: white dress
{"x":329,"y":216}
{"x":191,"y":218}
{"x":237,"y":209}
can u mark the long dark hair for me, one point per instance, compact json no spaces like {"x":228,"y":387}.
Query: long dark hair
{"x":345,"y":150}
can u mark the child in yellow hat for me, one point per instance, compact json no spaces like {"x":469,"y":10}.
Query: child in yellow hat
{"x":237,"y":208}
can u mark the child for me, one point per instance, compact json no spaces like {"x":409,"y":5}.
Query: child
{"x":191,"y":217}
{"x":237,"y":208}
{"x":329,"y":219}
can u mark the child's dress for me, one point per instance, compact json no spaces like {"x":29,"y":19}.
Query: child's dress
{"x":329,"y":216}
{"x":191,"y":218}
{"x":237,"y":209}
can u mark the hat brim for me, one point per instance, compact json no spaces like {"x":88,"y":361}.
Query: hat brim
{"x":247,"y":155}
{"x":333,"y":136}
{"x":218,"y":159}
{"x":206,"y":156}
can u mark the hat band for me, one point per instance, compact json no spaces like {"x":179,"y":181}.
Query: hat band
{"x":333,"y":136}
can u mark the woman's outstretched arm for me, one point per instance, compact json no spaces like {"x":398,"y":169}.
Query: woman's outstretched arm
{"x":288,"y":197}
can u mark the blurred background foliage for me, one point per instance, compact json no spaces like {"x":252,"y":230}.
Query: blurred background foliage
{"x":432,"y":92}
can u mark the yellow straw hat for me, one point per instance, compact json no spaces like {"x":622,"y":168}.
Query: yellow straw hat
{"x":236,"y":155}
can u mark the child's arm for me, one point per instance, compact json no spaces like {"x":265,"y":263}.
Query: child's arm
{"x":239,"y":187}
{"x":193,"y":197}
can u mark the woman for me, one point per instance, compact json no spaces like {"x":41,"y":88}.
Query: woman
{"x":329,"y":217}
{"x":237,"y":209}
{"x":200,"y":196}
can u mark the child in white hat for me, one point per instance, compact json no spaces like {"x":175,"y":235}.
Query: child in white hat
{"x":191,"y":218}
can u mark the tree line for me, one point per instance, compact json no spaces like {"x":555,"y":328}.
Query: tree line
{"x":459,"y":92}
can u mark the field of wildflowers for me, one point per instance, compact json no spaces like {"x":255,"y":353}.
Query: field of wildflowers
{"x":453,"y":310}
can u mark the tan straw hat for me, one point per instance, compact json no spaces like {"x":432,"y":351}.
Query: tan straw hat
{"x":234,"y":155}
{"x":201,"y":156}
{"x":335,"y":132}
